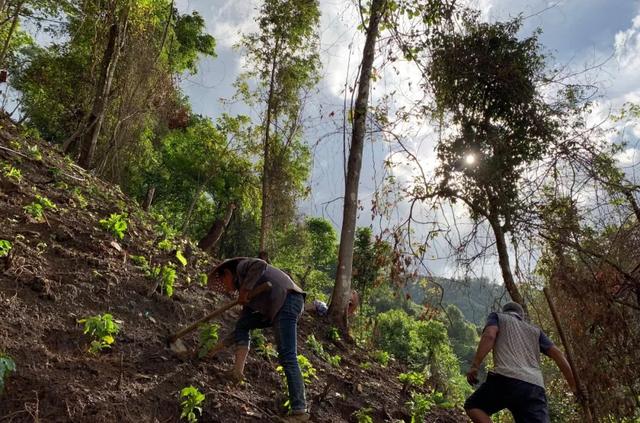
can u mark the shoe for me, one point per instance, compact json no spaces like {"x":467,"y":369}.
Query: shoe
{"x":301,"y":416}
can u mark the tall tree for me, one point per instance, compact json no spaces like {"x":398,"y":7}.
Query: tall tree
{"x":486,"y":86}
{"x":283,"y":60}
{"x":342,"y":289}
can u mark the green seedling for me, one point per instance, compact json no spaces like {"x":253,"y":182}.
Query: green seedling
{"x":363,"y":415}
{"x":79,"y":199}
{"x":334,"y":334}
{"x":36,"y":211}
{"x":166,"y":245}
{"x":166,"y":276}
{"x":35,"y":153}
{"x":12,"y":173}
{"x":419,"y":406}
{"x":208,"y":337}
{"x":366,"y":365}
{"x":308,"y":373}
{"x":334,"y":360}
{"x":181,"y":258}
{"x":316,"y":346}
{"x":381,"y":357}
{"x":102,"y":329}
{"x":412,"y":378}
{"x":203,"y":279}
{"x":45,"y":203}
{"x":7,"y":365}
{"x":140,"y":261}
{"x":5,"y":247}
{"x":116,"y":224}
{"x":191,"y":402}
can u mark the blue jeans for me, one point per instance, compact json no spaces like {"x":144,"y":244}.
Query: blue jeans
{"x":285,"y":326}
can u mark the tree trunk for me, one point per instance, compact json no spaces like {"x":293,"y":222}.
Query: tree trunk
{"x":151,"y":190}
{"x":264,"y":212}
{"x":342,"y":288}
{"x":187,"y":218}
{"x":505,"y":266}
{"x":583,"y":399}
{"x":14,"y":24}
{"x":217,"y":229}
{"x":89,"y":140}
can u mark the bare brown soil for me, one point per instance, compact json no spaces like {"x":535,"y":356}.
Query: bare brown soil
{"x":68,"y":268}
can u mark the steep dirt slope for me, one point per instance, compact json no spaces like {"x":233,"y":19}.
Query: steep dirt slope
{"x":67,"y":268}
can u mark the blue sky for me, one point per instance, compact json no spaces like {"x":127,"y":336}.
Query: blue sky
{"x":579,"y":34}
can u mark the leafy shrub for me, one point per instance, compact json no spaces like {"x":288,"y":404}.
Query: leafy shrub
{"x":5,"y":247}
{"x":419,"y":406}
{"x":12,"y":172}
{"x":116,"y":224}
{"x":167,"y":279}
{"x":7,"y":365}
{"x":363,"y":415}
{"x":208,"y":336}
{"x":381,"y":357}
{"x":262,"y":346}
{"x":102,"y":329}
{"x":45,"y":203}
{"x":191,"y":402}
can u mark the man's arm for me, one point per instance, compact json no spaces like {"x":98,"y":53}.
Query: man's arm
{"x":556,"y":355}
{"x":487,"y":341}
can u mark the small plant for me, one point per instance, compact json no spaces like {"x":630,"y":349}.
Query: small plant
{"x":102,"y":329}
{"x":366,"y":365}
{"x":363,"y":415}
{"x":412,"y":378}
{"x":61,"y":185}
{"x":208,"y":337}
{"x":46,"y":203}
{"x":381,"y":357}
{"x":419,"y":406}
{"x":166,"y":245}
{"x":191,"y":402}
{"x":7,"y":365}
{"x":12,"y":173}
{"x":35,"y":153}
{"x":79,"y":199}
{"x":334,"y":360}
{"x":36,"y":211}
{"x":140,"y":261}
{"x":334,"y":334}
{"x":308,"y":373}
{"x":316,"y":346}
{"x":203,"y":279}
{"x":262,"y":346}
{"x":116,"y":224}
{"x":166,"y":276}
{"x":5,"y":247}
{"x":181,"y":258}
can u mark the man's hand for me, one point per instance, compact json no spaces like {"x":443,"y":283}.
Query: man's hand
{"x":243,"y":296}
{"x":472,"y":376}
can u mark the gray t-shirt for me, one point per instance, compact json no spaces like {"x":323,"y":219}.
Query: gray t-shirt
{"x":516,"y":353}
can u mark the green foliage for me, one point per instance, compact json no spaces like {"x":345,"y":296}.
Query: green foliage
{"x":262,"y":347}
{"x":181,"y":258}
{"x":35,"y":153}
{"x":7,"y":365}
{"x":334,"y":334}
{"x":102,"y":329}
{"x":79,"y":198}
{"x":367,"y":365}
{"x":363,"y":415}
{"x":5,"y":247}
{"x":334,"y":360}
{"x":318,"y":349}
{"x":140,"y":261}
{"x":45,"y":203}
{"x":208,"y":337}
{"x":116,"y":224}
{"x":191,"y":400}
{"x":35,"y":210}
{"x":419,"y":406}
{"x":12,"y":172}
{"x":308,"y":374}
{"x":166,"y":276}
{"x":381,"y":357}
{"x":203,"y":279}
{"x":371,"y":262}
{"x":166,"y":245}
{"x":412,"y":378}
{"x":462,"y":334}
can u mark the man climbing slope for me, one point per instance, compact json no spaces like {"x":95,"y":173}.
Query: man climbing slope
{"x":280,"y":307}
{"x":515,"y":383}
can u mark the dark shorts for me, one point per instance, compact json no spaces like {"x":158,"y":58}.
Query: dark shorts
{"x":526,"y":401}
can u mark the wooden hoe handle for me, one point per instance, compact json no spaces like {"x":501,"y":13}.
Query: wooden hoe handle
{"x":182,"y":332}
